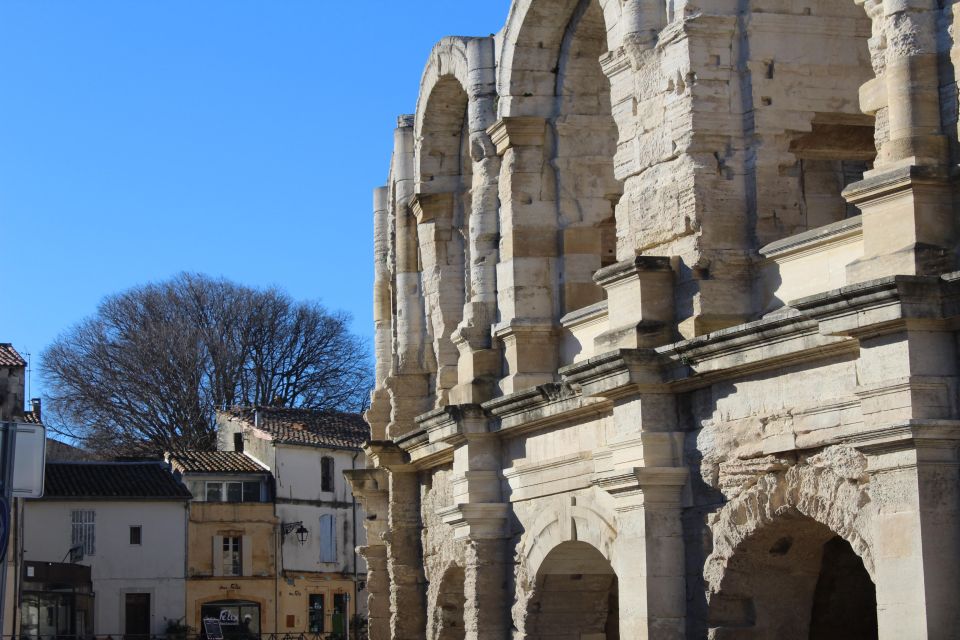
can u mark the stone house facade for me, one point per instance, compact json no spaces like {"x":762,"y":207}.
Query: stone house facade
{"x":665,"y":327}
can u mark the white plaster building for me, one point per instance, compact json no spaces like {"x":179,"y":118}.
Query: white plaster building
{"x":307,"y":453}
{"x":127,"y":522}
{"x":665,"y":305}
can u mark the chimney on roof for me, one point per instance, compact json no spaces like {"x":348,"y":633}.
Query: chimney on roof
{"x":35,"y":405}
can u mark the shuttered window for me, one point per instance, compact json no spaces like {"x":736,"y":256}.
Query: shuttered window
{"x":83,"y":531}
{"x":328,"y":538}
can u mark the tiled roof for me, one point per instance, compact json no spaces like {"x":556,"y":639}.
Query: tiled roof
{"x":112,"y":480}
{"x":9,"y":356}
{"x":332,"y":429}
{"x":214,"y":462}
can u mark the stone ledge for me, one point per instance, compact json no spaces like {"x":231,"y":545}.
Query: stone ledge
{"x":814,"y":238}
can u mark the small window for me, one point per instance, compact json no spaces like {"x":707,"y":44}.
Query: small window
{"x":326,"y":473}
{"x":214,"y":492}
{"x":232,"y":556}
{"x":136,"y":535}
{"x":238,"y":442}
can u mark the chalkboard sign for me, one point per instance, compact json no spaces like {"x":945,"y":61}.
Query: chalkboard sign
{"x":211,"y":629}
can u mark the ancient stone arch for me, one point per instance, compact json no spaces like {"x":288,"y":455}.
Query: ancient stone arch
{"x":567,"y":583}
{"x":445,"y":605}
{"x":830,"y":488}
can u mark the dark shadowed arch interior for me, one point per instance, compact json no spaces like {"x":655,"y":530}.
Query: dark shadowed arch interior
{"x":445,"y":175}
{"x":586,"y":137}
{"x":795,"y":579}
{"x":448,"y":614}
{"x":575,"y":596}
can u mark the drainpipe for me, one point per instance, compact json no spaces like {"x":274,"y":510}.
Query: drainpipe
{"x":356,"y":603}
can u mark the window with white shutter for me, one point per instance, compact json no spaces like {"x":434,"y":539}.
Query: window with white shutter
{"x":328,"y":538}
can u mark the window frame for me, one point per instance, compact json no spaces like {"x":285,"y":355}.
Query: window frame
{"x":139,"y":529}
{"x":231,"y":547}
{"x":327,"y":470}
{"x":83,"y":530}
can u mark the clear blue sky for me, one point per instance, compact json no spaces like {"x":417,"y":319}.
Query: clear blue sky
{"x":238,"y":138}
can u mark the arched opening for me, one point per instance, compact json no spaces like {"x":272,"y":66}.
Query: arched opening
{"x":795,"y":579}
{"x":443,"y":202}
{"x":575,"y":596}
{"x":448,"y":611}
{"x":585,"y":143}
{"x":806,"y":64}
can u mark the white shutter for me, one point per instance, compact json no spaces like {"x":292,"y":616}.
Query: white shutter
{"x":328,"y":538}
{"x":218,"y":555}
{"x":246,"y":550}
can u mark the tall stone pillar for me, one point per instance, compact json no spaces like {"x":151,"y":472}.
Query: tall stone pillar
{"x":370,"y":486}
{"x":527,"y":271}
{"x":478,"y":516}
{"x":409,"y":383}
{"x":907,"y":205}
{"x":378,"y":414}
{"x":408,"y":600}
{"x":479,"y":362}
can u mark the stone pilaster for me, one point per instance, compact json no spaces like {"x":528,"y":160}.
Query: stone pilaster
{"x":378,"y":414}
{"x":914,"y":479}
{"x":478,"y":516}
{"x":907,"y":202}
{"x":646,"y":480}
{"x":479,"y":361}
{"x":526,"y":273}
{"x":408,"y":617}
{"x":370,"y":487}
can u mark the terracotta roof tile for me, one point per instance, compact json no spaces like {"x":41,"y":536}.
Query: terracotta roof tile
{"x":332,"y":429}
{"x":214,"y":462}
{"x":9,"y":356}
{"x":112,"y":481}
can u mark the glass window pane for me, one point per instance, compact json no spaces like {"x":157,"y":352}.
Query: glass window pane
{"x":214,"y":492}
{"x":234,"y":492}
{"x":316,"y":613}
{"x":251,"y":492}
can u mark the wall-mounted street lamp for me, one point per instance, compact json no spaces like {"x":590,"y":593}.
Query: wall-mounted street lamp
{"x":295,"y":527}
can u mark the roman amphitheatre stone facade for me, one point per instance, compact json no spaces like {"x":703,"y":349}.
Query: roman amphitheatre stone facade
{"x":666,"y":318}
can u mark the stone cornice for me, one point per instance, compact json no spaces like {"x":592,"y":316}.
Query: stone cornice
{"x":387,"y":454}
{"x":477,"y":520}
{"x":428,"y":207}
{"x":618,"y":373}
{"x":639,"y":487}
{"x":882,"y":183}
{"x":531,"y":408}
{"x":517,"y":131}
{"x":367,"y":483}
{"x":454,"y":424}
{"x":631,"y":268}
{"x":939,"y":439}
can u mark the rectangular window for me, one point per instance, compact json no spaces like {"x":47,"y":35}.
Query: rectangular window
{"x":328,"y":538}
{"x":326,"y":473}
{"x":238,"y":442}
{"x":232,"y":556}
{"x":248,"y":491}
{"x":316,"y":613}
{"x":82,"y":532}
{"x":251,"y":492}
{"x":136,"y":535}
{"x":234,"y":491}
{"x":214,"y":492}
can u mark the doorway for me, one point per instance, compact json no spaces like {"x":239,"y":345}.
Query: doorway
{"x":136,"y":616}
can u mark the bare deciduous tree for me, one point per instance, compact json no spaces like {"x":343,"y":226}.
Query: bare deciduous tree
{"x":148,"y":371}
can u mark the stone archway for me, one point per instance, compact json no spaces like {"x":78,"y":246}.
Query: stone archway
{"x":794,"y":579}
{"x":447,"y":617}
{"x":779,"y":545}
{"x":574,"y":596}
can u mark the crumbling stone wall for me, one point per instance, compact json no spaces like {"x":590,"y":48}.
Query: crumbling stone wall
{"x":598,"y":412}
